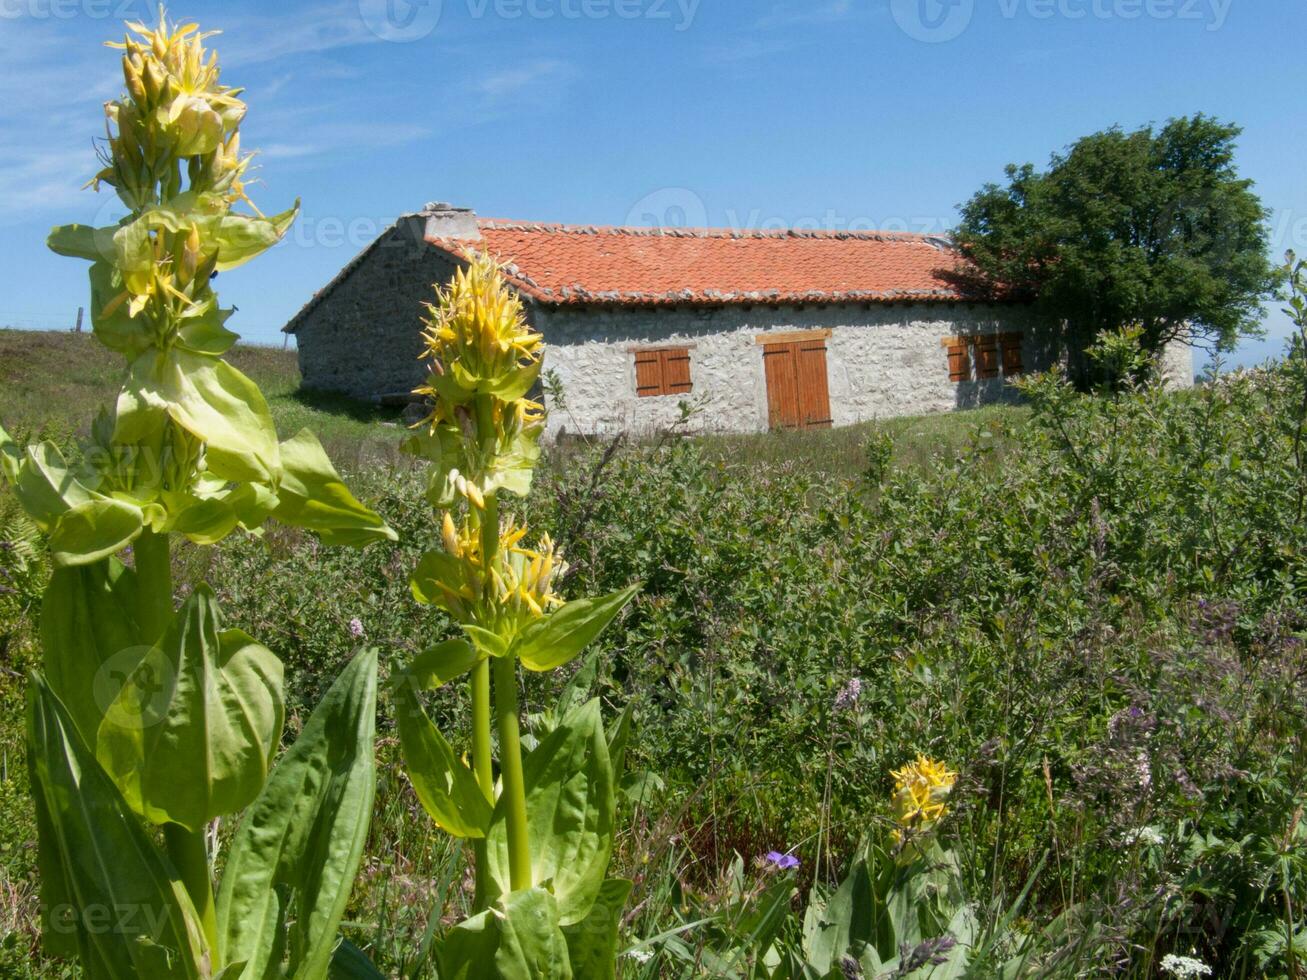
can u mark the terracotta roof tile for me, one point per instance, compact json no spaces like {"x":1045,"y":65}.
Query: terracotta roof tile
{"x":581,"y":264}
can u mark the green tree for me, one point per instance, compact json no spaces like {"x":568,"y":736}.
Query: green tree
{"x":1152,"y":229}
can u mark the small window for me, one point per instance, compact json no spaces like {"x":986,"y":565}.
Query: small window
{"x":662,"y":371}
{"x":992,"y":355}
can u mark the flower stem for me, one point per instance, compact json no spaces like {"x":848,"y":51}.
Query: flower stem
{"x":481,"y":750}
{"x":154,"y":585}
{"x":190,"y":857}
{"x":510,"y":762}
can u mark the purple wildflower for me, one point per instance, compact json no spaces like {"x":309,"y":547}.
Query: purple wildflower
{"x":356,"y":628}
{"x":783,"y":862}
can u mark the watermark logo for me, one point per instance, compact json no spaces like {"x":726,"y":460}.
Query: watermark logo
{"x":933,"y":21}
{"x":401,"y":21}
{"x":668,"y":207}
{"x":134,"y":689}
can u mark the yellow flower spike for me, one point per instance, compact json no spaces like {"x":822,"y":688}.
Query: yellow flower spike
{"x":450,"y":536}
{"x":920,"y":791}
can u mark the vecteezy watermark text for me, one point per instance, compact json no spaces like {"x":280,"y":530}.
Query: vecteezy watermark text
{"x":936,"y":21}
{"x":412,"y":20}
{"x":71,"y":9}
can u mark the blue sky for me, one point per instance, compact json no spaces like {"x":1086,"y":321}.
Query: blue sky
{"x":825,"y":113}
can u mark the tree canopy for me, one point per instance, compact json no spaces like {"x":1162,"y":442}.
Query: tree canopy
{"x":1152,"y":229}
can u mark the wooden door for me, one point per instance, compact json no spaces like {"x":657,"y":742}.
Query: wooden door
{"x":798,"y":396}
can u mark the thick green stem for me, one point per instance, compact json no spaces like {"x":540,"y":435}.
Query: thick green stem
{"x":190,"y":857}
{"x":481,"y":749}
{"x":510,"y":766}
{"x":154,"y":585}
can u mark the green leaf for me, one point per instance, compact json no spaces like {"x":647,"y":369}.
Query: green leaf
{"x":111,"y":319}
{"x":446,"y":787}
{"x":619,"y":735}
{"x":122,"y":907}
{"x":89,"y":638}
{"x":433,"y":568}
{"x":211,"y":400}
{"x":520,"y":941}
{"x":191,"y":735}
{"x":11,"y":456}
{"x":82,"y":242}
{"x":241,"y":238}
{"x":202,"y":329}
{"x":557,"y":638}
{"x":94,"y":530}
{"x":570,"y":804}
{"x":313,"y":496}
{"x":592,"y":942}
{"x":46,"y":486}
{"x":490,"y":644}
{"x":348,"y":962}
{"x":302,"y":839}
{"x":204,"y":521}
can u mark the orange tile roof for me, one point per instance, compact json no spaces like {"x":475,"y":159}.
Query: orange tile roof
{"x":575,"y":264}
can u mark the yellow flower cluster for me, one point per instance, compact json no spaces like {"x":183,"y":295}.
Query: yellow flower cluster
{"x":477,"y":338}
{"x":920,"y":791}
{"x":518,"y":586}
{"x":174,"y":110}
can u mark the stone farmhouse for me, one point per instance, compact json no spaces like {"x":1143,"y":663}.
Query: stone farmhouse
{"x":756,"y":330}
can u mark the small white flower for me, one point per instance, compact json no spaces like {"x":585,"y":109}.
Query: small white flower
{"x":1145,"y":835}
{"x":641,"y":955}
{"x":1184,"y":966}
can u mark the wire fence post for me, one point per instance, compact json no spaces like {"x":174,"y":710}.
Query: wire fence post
{"x":80,"y":312}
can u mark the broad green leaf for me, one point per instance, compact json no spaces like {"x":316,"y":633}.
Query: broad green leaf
{"x":619,"y":735}
{"x":592,"y":942}
{"x":211,"y":400}
{"x":490,"y":644}
{"x":348,"y":962}
{"x":124,"y":911}
{"x":550,"y":642}
{"x":204,"y":521}
{"x":11,"y":456}
{"x":192,"y":733}
{"x":302,"y":839}
{"x":433,"y":568}
{"x":94,"y":530}
{"x":202,"y":329}
{"x":47,"y":487}
{"x":831,"y":924}
{"x":82,"y":242}
{"x":111,"y":319}
{"x":570,"y":803}
{"x":89,"y":639}
{"x":446,"y":787}
{"x":516,"y":384}
{"x":312,"y":496}
{"x":519,"y":941}
{"x":241,"y":238}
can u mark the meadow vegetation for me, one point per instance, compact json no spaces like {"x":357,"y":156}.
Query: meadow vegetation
{"x":1090,"y":608}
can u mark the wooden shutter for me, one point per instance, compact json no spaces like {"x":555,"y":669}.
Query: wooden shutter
{"x":662,"y":371}
{"x":959,"y":362}
{"x":782,"y":385}
{"x":987,"y":356}
{"x":648,"y":373}
{"x":1012,"y":364}
{"x":798,"y":393}
{"x":814,"y":391}
{"x":676,"y":370}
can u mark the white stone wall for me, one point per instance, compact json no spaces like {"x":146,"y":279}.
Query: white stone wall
{"x":882,"y":361}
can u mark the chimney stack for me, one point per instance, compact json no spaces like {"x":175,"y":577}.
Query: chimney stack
{"x":446,"y":221}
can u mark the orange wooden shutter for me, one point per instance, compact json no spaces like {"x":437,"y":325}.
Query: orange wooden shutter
{"x":782,"y":385}
{"x":959,"y":364}
{"x":648,"y":373}
{"x":814,"y":391}
{"x":987,"y":356}
{"x":1012,"y":364}
{"x":676,"y":370}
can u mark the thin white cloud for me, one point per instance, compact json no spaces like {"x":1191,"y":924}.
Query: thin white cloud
{"x":535,"y":78}
{"x":794,"y":14}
